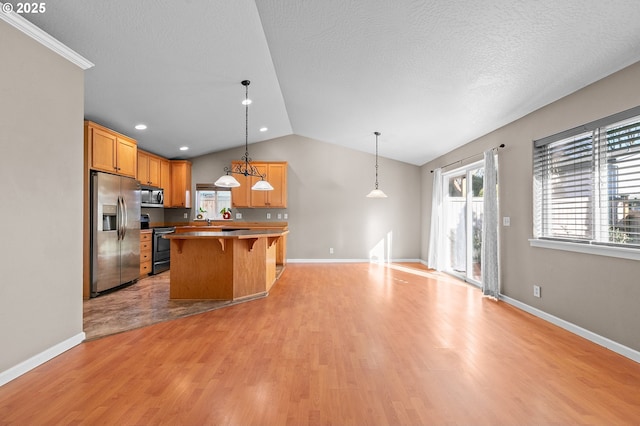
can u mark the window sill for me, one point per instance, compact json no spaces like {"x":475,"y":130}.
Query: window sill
{"x":619,"y":252}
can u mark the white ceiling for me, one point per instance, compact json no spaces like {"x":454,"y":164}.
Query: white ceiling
{"x":430,"y":75}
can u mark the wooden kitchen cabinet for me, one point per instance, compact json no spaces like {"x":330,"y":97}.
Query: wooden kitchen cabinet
{"x":165,"y":179}
{"x":145,"y":251}
{"x":259,"y":198}
{"x":276,"y":175}
{"x":149,"y":168}
{"x":109,"y":151}
{"x":241,"y":195}
{"x":180,"y":193}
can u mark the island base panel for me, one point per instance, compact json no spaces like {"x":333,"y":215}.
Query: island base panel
{"x":200,"y":269}
{"x":222,"y":269}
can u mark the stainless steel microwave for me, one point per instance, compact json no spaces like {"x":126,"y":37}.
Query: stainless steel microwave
{"x":151,"y":197}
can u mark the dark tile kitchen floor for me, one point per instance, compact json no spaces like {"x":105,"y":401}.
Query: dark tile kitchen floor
{"x":143,"y":303}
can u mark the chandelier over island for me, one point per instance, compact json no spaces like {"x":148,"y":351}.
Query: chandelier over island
{"x":247,"y":169}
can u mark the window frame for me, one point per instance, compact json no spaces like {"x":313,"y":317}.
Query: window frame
{"x":215,"y":214}
{"x":594,"y":244}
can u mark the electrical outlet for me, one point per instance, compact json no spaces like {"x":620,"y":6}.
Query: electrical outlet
{"x":268,"y":215}
{"x":286,"y":216}
{"x":536,"y":291}
{"x":279,"y":215}
{"x":506,"y":221}
{"x":238,"y":215}
{"x":330,"y":250}
{"x":186,"y":215}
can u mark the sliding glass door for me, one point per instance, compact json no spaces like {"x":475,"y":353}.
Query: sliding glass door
{"x":463,"y":206}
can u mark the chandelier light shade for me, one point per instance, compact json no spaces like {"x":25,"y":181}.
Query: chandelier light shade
{"x":262,"y":185}
{"x":376,"y":193}
{"x":246,"y":169}
{"x":227,"y":181}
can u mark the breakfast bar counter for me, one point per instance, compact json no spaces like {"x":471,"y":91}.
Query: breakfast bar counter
{"x":225,"y":265}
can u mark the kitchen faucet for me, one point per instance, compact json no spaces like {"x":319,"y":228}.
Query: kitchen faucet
{"x":208,"y":222}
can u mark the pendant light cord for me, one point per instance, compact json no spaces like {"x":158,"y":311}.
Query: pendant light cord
{"x":246,"y":83}
{"x":377,"y":134}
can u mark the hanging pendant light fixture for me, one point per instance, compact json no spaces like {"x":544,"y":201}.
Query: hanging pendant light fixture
{"x":246,"y":169}
{"x":376,"y":193}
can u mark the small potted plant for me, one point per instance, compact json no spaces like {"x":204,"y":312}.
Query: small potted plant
{"x":201,"y":213}
{"x":226,"y":213}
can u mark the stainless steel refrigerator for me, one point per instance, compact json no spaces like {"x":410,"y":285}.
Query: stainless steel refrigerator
{"x":115,"y":231}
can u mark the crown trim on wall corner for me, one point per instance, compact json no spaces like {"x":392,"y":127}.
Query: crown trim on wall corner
{"x":44,"y":38}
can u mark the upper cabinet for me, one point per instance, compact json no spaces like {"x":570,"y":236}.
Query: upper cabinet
{"x":173,"y":176}
{"x":110,"y":151}
{"x":180,"y":193}
{"x":276,"y":175}
{"x":149,"y":169}
{"x":165,"y":177}
{"x":241,"y":195}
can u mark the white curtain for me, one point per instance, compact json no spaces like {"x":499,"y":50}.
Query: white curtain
{"x":490,"y":268}
{"x":435,"y":243}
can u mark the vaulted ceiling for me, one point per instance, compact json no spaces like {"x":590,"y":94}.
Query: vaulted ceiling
{"x":430,"y":75}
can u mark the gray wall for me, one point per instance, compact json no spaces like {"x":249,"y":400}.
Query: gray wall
{"x":327,"y":204}
{"x":41,"y":168}
{"x":600,"y":294}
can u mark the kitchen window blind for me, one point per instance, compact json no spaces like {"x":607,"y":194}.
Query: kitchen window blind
{"x":587,"y":183}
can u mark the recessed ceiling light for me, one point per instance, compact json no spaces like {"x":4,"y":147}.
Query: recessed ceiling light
{"x":141,"y":126}
{"x":263,"y":129}
{"x":184,"y":148}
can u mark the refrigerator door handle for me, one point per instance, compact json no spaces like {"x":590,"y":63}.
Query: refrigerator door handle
{"x":125,"y":220}
{"x":119,"y":219}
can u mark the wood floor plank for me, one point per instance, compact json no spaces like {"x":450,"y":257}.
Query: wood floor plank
{"x":342,"y":344}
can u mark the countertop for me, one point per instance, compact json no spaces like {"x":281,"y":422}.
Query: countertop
{"x":223,"y":224}
{"x":240,"y":234}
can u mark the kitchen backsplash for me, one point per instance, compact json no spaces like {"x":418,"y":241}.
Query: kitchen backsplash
{"x":174,"y":215}
{"x":155,"y":215}
{"x":177,"y":215}
{"x":260,"y":215}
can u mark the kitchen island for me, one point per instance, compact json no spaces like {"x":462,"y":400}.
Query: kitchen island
{"x":224,"y":265}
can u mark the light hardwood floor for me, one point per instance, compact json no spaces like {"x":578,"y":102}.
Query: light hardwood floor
{"x":342,"y":344}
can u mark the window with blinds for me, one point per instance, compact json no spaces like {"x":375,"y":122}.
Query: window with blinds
{"x":587,"y":182}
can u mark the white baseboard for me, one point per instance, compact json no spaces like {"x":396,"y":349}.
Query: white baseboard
{"x":589,"y":335}
{"x":44,"y":356}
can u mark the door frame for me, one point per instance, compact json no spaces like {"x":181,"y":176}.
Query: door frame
{"x":467,"y":170}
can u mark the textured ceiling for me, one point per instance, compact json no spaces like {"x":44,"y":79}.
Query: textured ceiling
{"x":429,"y":75}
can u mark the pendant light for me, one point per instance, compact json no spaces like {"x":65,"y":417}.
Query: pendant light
{"x":376,"y":193}
{"x":246,"y":169}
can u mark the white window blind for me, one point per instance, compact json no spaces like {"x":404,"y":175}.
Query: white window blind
{"x":587,"y":182}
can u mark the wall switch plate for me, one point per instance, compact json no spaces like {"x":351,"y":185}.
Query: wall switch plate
{"x":536,"y":291}
{"x":330,"y":250}
{"x":238,"y":215}
{"x":186,"y":215}
{"x":268,"y":215}
{"x":506,"y":221}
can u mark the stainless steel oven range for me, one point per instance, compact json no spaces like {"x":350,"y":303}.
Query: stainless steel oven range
{"x":161,"y":254}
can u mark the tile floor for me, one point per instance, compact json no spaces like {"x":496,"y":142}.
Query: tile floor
{"x":143,"y":303}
